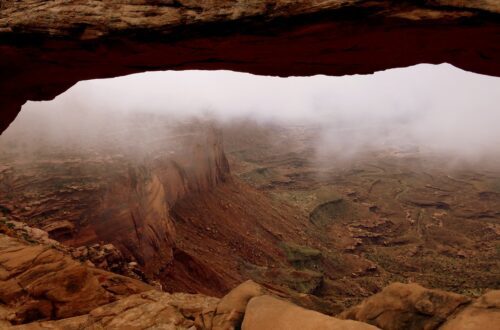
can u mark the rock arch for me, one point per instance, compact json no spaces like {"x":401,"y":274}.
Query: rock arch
{"x":47,"y":46}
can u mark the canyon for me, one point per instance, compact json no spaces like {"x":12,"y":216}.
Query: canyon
{"x":205,"y":206}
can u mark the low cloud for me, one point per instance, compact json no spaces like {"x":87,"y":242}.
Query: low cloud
{"x":437,"y":108}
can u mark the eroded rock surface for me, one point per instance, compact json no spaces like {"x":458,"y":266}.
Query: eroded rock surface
{"x":148,"y":310}
{"x":94,"y":19}
{"x":407,"y":306}
{"x":104,"y":17}
{"x":39,"y":282}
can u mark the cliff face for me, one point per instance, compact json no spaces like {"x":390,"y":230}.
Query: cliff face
{"x":47,"y":46}
{"x":134,"y":217}
{"x":121,"y":199}
{"x":199,"y":168}
{"x":135,"y":211}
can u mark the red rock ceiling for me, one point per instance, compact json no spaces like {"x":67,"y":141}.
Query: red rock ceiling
{"x":42,"y":55}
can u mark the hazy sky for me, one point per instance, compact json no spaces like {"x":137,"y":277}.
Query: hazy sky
{"x":438,"y":107}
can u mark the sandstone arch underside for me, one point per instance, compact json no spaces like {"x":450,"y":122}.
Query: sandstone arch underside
{"x":47,"y":46}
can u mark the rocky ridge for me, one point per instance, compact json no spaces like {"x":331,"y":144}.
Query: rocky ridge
{"x":44,"y":289}
{"x":40,"y":282}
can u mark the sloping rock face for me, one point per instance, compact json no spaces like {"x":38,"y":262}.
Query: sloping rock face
{"x":134,"y":216}
{"x":407,"y":306}
{"x":40,"y":282}
{"x":47,"y":46}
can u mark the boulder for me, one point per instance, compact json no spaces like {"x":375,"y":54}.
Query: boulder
{"x":231,"y":309}
{"x":406,"y":306}
{"x":270,"y":313}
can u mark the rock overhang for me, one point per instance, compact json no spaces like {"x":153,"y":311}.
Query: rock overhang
{"x":47,"y":46}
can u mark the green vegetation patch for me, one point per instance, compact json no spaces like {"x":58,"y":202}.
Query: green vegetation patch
{"x":260,"y":176}
{"x":301,"y":281}
{"x":495,"y":185}
{"x":326,"y":213}
{"x":301,"y":256}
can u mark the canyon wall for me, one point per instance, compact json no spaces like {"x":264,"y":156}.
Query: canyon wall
{"x":135,"y":212}
{"x":110,"y":197}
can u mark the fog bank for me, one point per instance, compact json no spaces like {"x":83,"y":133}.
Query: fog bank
{"x":436,"y":108}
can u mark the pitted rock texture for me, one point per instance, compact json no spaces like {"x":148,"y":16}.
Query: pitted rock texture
{"x":103,"y":256}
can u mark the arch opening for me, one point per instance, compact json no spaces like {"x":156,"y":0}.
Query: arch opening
{"x":310,"y":185}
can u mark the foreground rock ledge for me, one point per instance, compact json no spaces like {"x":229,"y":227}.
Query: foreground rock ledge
{"x":44,"y":288}
{"x":40,"y":282}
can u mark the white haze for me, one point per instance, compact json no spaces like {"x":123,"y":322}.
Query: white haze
{"x":438,"y":108}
